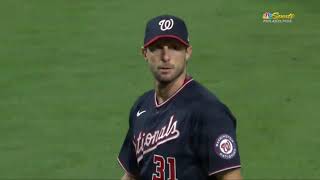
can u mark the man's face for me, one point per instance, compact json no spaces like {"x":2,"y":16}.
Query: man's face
{"x":167,"y":59}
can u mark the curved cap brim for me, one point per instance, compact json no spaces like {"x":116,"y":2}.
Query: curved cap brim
{"x":165,"y":36}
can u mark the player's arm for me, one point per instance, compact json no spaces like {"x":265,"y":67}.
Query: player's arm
{"x":128,"y":177}
{"x":233,"y":174}
{"x":127,"y":156}
{"x":217,"y":128}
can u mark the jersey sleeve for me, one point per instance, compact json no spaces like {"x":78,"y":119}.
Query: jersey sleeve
{"x":127,"y":156}
{"x":216,"y":139}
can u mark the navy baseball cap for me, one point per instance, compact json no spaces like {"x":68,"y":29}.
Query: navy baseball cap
{"x":166,"y":26}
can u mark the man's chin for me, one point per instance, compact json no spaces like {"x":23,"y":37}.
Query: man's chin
{"x":165,"y":79}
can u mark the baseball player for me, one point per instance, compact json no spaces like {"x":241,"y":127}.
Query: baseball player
{"x":178,"y":130}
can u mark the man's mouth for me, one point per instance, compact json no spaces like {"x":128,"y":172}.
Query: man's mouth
{"x":165,"y":67}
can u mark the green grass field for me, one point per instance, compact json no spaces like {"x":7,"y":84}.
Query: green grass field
{"x":70,"y":70}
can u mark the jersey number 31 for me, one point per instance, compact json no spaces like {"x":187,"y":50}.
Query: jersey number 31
{"x":160,"y":163}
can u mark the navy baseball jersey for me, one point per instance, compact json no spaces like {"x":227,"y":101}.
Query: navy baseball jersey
{"x":191,"y":135}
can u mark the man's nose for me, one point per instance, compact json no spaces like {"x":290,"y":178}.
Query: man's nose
{"x":165,"y":53}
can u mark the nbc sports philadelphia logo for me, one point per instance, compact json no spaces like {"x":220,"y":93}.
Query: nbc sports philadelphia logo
{"x":277,"y":17}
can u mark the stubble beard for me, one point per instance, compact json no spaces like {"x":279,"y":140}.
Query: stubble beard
{"x":165,"y":80}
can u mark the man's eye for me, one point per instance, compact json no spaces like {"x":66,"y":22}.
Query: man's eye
{"x":175,"y":47}
{"x":152,"y":48}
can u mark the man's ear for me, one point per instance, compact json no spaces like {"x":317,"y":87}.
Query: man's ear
{"x":188,"y":52}
{"x":144,"y":53}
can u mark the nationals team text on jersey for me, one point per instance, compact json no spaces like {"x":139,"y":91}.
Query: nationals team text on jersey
{"x":192,"y":135}
{"x":147,"y":142}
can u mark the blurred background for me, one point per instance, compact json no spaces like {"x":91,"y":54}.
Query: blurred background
{"x":71,"y":69}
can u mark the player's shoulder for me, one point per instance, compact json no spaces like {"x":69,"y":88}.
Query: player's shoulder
{"x":146,"y":97}
{"x":201,"y":95}
{"x":204,"y":100}
{"x":208,"y":106}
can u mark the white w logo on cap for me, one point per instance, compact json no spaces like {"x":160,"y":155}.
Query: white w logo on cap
{"x":166,"y":24}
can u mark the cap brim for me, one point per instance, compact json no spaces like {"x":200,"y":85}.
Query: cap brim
{"x":165,"y":36}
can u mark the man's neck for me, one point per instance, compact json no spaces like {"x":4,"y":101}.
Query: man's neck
{"x":165,"y":91}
